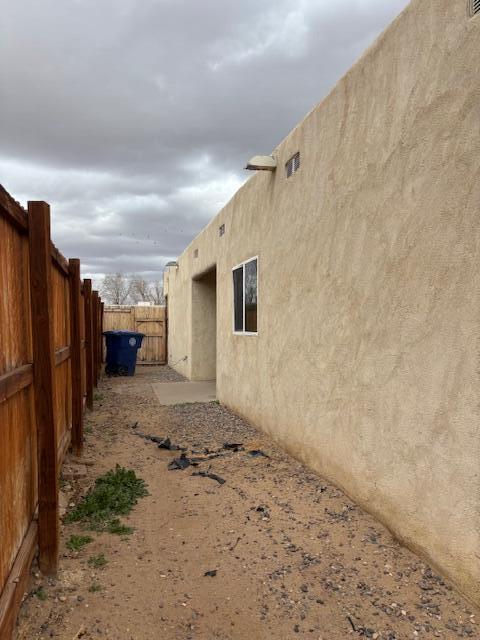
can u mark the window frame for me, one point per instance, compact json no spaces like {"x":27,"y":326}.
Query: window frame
{"x":293,"y":165}
{"x":242,"y":265}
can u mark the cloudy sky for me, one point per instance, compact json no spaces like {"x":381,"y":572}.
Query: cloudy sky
{"x":134,"y":118}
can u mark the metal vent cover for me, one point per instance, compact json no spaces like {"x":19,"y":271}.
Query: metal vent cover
{"x":293,"y":165}
{"x":474,"y":7}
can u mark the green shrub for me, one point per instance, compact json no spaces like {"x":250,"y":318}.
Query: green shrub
{"x":114,"y":494}
{"x":119,"y":529}
{"x":97,"y":561}
{"x":40,"y":593}
{"x":76,"y":543}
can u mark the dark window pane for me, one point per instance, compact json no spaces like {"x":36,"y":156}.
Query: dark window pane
{"x":238,"y":298}
{"x":251,"y":296}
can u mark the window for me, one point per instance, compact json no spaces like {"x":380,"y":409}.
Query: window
{"x":221,"y":230}
{"x":293,"y":165}
{"x":195,"y":253}
{"x":245,"y":297}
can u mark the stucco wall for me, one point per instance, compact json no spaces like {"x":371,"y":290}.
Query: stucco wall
{"x":366,"y":363}
{"x":204,"y":324}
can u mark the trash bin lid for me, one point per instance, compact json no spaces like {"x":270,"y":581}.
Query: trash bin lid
{"x":121,"y":332}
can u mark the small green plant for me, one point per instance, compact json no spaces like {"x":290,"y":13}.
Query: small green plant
{"x":114,"y":494}
{"x":76,"y":543}
{"x":97,"y":561}
{"x":119,"y":529}
{"x":41,"y":594}
{"x":94,"y":587}
{"x":88,"y":428}
{"x":98,"y":396}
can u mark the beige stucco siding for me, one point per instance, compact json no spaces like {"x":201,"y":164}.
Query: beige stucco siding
{"x":366,"y":363}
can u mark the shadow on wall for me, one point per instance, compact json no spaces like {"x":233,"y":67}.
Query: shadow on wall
{"x":204,"y":326}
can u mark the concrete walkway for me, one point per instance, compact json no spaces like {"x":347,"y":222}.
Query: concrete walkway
{"x":169,"y":393}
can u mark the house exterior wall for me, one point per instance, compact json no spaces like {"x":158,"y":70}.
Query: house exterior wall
{"x":366,"y":362}
{"x":204,"y":324}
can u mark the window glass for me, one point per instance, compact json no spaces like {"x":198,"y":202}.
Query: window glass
{"x":238,"y":298}
{"x":251,"y":296}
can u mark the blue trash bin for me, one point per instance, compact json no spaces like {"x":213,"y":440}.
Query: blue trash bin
{"x":122,"y":347}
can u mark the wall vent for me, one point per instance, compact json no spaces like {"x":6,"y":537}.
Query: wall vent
{"x":474,"y":7}
{"x":221,"y":230}
{"x":195,"y":253}
{"x":293,"y":165}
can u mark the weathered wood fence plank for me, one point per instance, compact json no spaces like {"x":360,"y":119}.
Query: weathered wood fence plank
{"x":44,"y":358}
{"x":151,"y":321}
{"x":95,"y":336}
{"x":47,"y":325}
{"x":14,"y":381}
{"x":61,"y":355}
{"x":15,"y":587}
{"x":76,"y":356}
{"x":87,"y":288}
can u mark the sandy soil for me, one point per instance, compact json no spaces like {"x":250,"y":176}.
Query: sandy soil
{"x":292,"y":556}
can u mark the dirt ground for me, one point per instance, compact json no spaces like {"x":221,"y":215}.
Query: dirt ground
{"x":289,"y":555}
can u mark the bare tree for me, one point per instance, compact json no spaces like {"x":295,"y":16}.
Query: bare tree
{"x":140,"y":289}
{"x":156,"y":290}
{"x":146,"y":291}
{"x":115,"y":288}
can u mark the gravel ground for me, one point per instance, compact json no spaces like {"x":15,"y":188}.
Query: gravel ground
{"x":273,"y":552}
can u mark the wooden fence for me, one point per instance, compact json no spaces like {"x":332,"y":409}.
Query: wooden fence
{"x":50,"y":359}
{"x":147,"y":320}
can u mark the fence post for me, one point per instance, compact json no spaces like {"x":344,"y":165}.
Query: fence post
{"x":95,"y":336}
{"x":101,"y":335}
{"x":76,"y":355}
{"x":44,"y":384}
{"x":102,"y":311}
{"x":98,"y":337}
{"x":87,"y":291}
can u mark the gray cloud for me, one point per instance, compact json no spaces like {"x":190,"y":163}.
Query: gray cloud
{"x":134,"y":119}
